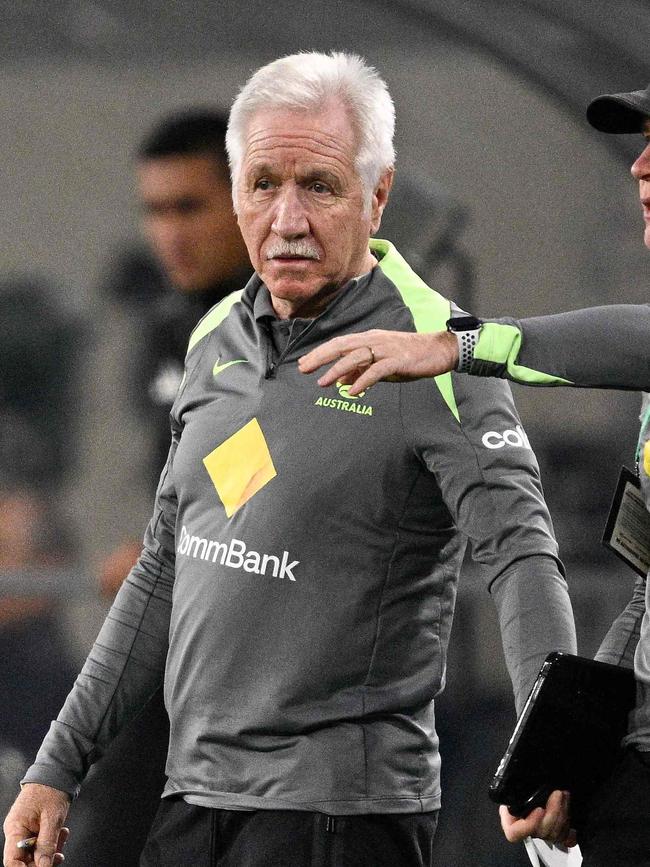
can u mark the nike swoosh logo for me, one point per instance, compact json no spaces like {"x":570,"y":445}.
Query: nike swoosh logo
{"x":219,"y":368}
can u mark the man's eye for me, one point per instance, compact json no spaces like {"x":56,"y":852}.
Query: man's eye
{"x":320,"y":188}
{"x":188,"y":206}
{"x":263,"y":184}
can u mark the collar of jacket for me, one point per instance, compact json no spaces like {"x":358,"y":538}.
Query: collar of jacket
{"x":429,"y":309}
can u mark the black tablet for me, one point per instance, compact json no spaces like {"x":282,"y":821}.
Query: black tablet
{"x":568,"y":735}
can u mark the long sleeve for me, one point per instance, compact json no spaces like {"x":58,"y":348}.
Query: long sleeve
{"x":127,"y":661}
{"x":619,"y":645}
{"x":597,"y":347}
{"x":535,"y":617}
{"x":489,"y":480}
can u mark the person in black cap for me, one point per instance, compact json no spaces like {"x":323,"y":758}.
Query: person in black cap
{"x":595,"y":347}
{"x":620,"y":112}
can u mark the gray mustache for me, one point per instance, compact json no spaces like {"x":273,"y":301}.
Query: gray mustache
{"x":293,"y":248}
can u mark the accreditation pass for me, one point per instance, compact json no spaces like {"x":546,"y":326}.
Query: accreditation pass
{"x":627,"y":532}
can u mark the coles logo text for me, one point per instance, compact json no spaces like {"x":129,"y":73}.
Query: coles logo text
{"x":497,"y":440}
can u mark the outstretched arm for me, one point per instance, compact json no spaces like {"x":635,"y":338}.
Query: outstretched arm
{"x":597,"y":347}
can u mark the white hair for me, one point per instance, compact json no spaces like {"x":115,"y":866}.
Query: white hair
{"x":309,"y":81}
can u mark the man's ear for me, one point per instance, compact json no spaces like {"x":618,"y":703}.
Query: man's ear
{"x":380,"y":198}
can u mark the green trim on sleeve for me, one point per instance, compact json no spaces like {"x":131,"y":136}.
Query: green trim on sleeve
{"x":430,"y":310}
{"x":645,"y":418}
{"x":500,"y":344}
{"x":212,"y":318}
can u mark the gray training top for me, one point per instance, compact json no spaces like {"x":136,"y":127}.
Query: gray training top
{"x":298,"y":577}
{"x":603,"y":347}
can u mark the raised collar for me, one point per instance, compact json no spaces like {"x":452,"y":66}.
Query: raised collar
{"x":263,"y":306}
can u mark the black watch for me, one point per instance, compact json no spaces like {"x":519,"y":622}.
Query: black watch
{"x":467,"y":330}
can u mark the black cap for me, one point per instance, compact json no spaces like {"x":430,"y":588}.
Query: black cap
{"x":620,"y":112}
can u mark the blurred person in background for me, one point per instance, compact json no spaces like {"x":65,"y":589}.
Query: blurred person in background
{"x":197,"y":257}
{"x":39,"y":361}
{"x":600,"y":347}
{"x":39,"y":355}
{"x":36,"y":671}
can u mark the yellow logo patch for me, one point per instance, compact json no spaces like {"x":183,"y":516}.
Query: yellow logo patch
{"x":344,"y":391}
{"x":240,"y":466}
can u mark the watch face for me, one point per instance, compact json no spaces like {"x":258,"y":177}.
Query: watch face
{"x":463,"y":323}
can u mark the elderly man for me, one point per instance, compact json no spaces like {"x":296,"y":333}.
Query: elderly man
{"x":598,"y":347}
{"x":298,"y":577}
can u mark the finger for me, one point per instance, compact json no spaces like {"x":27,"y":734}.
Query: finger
{"x":554,"y":825}
{"x":378,"y":371}
{"x":347,"y":378}
{"x":12,"y":854}
{"x":516,"y":829}
{"x":506,"y":817}
{"x":13,"y":857}
{"x":344,"y":369}
{"x":11,"y":860}
{"x":64,"y":833}
{"x":17,"y":860}
{"x":329,"y":351}
{"x":565,"y":834}
{"x":337,"y":347}
{"x":44,"y":854}
{"x":59,"y":857}
{"x":48,"y":837}
{"x":356,"y":360}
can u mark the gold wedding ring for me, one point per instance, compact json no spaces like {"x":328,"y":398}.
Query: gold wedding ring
{"x":364,"y":365}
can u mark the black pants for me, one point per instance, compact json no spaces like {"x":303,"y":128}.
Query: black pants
{"x":111,"y":818}
{"x":617,"y":830}
{"x":183,"y":834}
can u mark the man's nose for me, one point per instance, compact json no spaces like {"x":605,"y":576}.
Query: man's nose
{"x":165,"y":230}
{"x":641,"y":167}
{"x":290,"y":219}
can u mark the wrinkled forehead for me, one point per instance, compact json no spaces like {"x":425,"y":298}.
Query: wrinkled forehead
{"x":328,"y":130}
